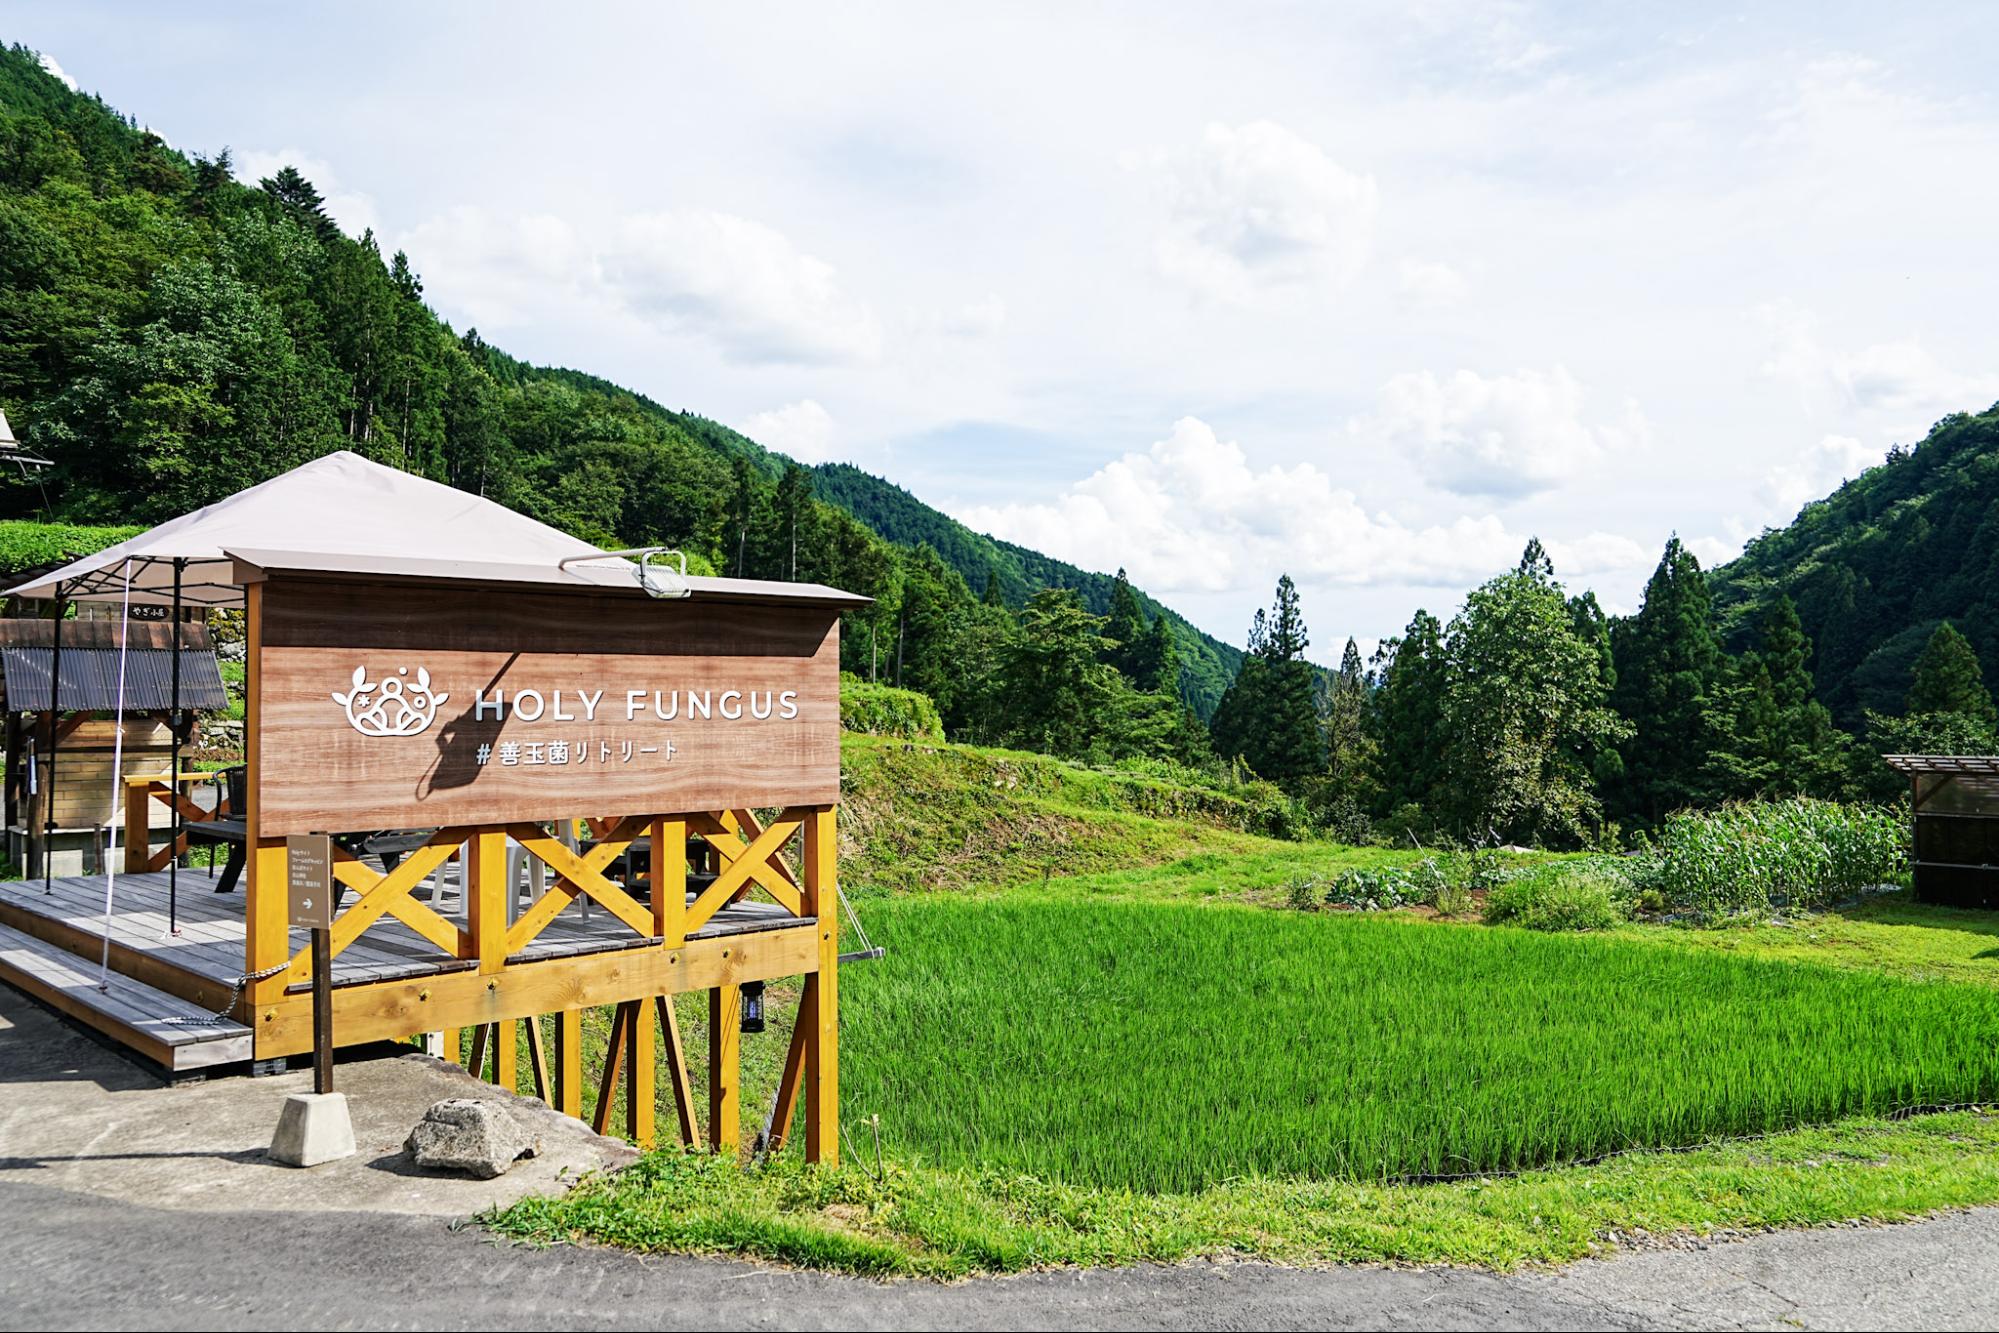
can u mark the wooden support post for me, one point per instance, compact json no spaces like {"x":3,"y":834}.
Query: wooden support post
{"x":569,"y":1062}
{"x":138,"y":824}
{"x":266,"y":907}
{"x":641,"y":1068}
{"x":486,"y":898}
{"x":820,"y":1010}
{"x":614,"y":1055}
{"x":447,"y":1041}
{"x":725,"y":1044}
{"x":788,"y":1084}
{"x":676,"y":1070}
{"x":668,"y":877}
{"x":544,"y":1086}
{"x":506,"y":1055}
{"x":482,"y":1040}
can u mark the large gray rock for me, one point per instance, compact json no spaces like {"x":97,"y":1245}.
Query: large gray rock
{"x":464,"y":1134}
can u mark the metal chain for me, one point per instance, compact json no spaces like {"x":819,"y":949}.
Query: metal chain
{"x":235,"y":997}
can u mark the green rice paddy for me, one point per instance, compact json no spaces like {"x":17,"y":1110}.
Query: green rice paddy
{"x":1171,"y":1046}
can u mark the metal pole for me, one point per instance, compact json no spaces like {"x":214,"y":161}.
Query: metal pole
{"x":173,"y":768}
{"x":55,"y":728}
{"x":322,"y":1010}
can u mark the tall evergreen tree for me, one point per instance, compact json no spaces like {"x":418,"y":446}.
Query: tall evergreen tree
{"x":1948,"y":678}
{"x":1268,"y":716}
{"x":1408,"y":715}
{"x":300,"y":201}
{"x":1159,"y":659}
{"x":1669,"y":665}
{"x":1124,"y":628}
{"x":1347,"y":743}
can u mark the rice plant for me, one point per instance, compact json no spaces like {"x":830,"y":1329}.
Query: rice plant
{"x":1166,"y":1047}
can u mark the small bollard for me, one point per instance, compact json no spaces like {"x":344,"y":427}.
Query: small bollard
{"x":313,"y":1128}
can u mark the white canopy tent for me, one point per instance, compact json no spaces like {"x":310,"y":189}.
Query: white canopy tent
{"x":339,"y":505}
{"x":343,"y":508}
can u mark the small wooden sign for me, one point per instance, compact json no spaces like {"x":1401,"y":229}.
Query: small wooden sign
{"x":309,"y":879}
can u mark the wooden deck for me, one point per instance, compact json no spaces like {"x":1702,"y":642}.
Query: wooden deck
{"x":178,"y":1036}
{"x":202,"y":963}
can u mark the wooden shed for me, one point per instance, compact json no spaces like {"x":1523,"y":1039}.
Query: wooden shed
{"x":79,"y":730}
{"x":1955,"y":805}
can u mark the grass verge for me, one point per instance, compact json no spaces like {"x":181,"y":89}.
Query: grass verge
{"x":943,"y":1223}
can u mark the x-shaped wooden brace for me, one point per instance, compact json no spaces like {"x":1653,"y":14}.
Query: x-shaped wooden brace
{"x":745,"y":863}
{"x":390,"y":894}
{"x":577,"y":874}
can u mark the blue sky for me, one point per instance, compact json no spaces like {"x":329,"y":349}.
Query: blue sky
{"x":1365,"y":293}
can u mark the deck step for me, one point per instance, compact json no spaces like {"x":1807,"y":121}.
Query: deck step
{"x":169,"y":1031}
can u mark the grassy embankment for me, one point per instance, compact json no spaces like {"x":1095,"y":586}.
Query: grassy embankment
{"x":1086,"y":1051}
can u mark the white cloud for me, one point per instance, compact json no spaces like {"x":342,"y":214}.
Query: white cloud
{"x":975,"y":319}
{"x":1816,"y":472}
{"x":740,"y":283}
{"x":1501,"y":435}
{"x":804,"y":429}
{"x":48,"y":62}
{"x":1901,"y":377}
{"x":1192,"y":514}
{"x":1257,"y":208}
{"x":1430,"y":283}
{"x":737,"y":284}
{"x":354,"y":210}
{"x":501,"y":272}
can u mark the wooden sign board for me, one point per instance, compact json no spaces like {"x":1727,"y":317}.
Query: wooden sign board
{"x":387,"y":705}
{"x":309,"y":880}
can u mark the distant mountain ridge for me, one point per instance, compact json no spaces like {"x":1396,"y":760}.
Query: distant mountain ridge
{"x":1207,"y":664}
{"x":1878,"y":564}
{"x":169,"y":335}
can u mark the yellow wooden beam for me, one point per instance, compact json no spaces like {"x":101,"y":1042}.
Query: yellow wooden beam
{"x":506,"y":1053}
{"x":676,"y":1070}
{"x":725,"y":1042}
{"x":739,"y":871}
{"x":667,"y":875}
{"x":641,"y":1071}
{"x":789,"y":1082}
{"x":569,"y":1062}
{"x":614,"y":1057}
{"x":486,"y":894}
{"x":389,"y":1010}
{"x":822,"y":992}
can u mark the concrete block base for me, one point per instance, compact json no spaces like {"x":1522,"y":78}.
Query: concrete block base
{"x":313,"y":1128}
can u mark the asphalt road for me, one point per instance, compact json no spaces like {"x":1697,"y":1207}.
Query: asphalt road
{"x":125,"y":1204}
{"x":78,"y":1260}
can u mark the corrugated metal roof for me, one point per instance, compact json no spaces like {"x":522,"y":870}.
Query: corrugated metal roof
{"x":1983,"y":765}
{"x":90,"y":679}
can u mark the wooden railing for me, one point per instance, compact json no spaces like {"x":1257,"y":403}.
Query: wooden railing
{"x":141,"y":791}
{"x":663,"y":958}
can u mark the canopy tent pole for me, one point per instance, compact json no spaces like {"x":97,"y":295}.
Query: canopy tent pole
{"x":175,"y":725}
{"x":55,"y":741}
{"x":117,"y":783}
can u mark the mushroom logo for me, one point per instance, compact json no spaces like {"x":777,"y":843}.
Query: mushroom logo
{"x":398,"y":705}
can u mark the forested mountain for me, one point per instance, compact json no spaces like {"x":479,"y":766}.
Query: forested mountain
{"x":1877,"y":566}
{"x":169,"y":335}
{"x":1207,"y":665}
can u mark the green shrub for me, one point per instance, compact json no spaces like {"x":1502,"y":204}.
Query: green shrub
{"x":883,"y":710}
{"x":1564,"y":897}
{"x":1753,"y":857}
{"x":25,"y":544}
{"x":1453,"y":897}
